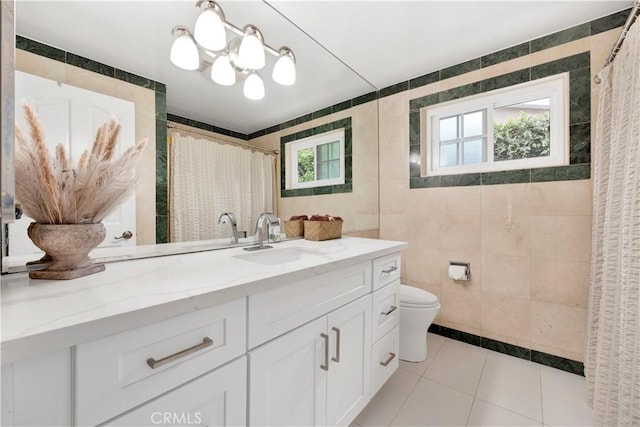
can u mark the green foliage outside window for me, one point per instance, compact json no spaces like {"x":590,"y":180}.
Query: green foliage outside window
{"x":306,"y":165}
{"x":522,"y":137}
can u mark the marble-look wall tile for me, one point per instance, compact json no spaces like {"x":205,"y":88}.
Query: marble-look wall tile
{"x":504,"y":200}
{"x":560,"y":282}
{"x":564,"y":238}
{"x":506,"y":235}
{"x":506,"y":275}
{"x":460,"y":201}
{"x":422,"y":266}
{"x":506,"y":315}
{"x":460,"y":232}
{"x":560,"y":198}
{"x":461,"y":306}
{"x":557,"y":326}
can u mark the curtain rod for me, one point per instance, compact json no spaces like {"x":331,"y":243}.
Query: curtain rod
{"x":623,"y":34}
{"x":221,"y":138}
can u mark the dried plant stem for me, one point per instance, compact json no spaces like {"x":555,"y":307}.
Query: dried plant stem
{"x":53,"y":192}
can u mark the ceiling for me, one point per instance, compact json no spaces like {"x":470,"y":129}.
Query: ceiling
{"x":343,"y":48}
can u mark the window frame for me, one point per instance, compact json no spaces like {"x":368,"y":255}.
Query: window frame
{"x":555,"y":87}
{"x":314,"y":141}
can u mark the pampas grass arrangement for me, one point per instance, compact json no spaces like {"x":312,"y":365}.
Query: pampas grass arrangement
{"x":52,"y":191}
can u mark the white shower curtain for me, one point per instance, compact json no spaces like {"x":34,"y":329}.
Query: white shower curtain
{"x":612,"y":364}
{"x":209,"y":178}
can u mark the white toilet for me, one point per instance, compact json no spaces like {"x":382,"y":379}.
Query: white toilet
{"x":418,"y":308}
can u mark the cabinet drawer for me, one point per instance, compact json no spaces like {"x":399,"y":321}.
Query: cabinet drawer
{"x":114,"y":374}
{"x":215,"y":399}
{"x":385,"y":351}
{"x":386,"y":270}
{"x":386,"y":309}
{"x":276,"y":311}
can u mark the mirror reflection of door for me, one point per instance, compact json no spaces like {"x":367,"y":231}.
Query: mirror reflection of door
{"x":71,"y":116}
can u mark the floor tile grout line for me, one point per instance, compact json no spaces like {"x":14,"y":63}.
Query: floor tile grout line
{"x":405,"y":401}
{"x":475,"y":395}
{"x":509,"y":410}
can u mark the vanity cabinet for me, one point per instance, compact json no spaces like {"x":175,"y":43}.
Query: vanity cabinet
{"x":318,"y":374}
{"x":215,"y":399}
{"x":134,"y":366}
{"x":301,"y":347}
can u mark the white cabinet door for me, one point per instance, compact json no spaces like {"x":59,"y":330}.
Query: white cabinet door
{"x":348,"y":388}
{"x":218,"y":398}
{"x":71,"y":116}
{"x":287,"y":386}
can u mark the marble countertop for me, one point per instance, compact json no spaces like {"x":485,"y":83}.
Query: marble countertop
{"x":40,"y":316}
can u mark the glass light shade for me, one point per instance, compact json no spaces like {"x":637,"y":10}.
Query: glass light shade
{"x":251,"y":52}
{"x":222,"y":72}
{"x":184,"y":53}
{"x":209,"y":30}
{"x":253,"y":87}
{"x":284,"y":71}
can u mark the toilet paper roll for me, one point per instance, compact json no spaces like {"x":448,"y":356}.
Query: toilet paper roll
{"x":458,"y":272}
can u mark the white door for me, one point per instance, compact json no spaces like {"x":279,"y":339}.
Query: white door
{"x":349,"y":383}
{"x":72,"y":116}
{"x":287,"y":386}
{"x":215,"y":399}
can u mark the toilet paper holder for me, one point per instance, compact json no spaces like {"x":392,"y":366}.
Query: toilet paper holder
{"x":460,"y":271}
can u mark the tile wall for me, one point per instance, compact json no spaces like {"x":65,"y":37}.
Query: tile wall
{"x":359,"y":207}
{"x":528,"y":242}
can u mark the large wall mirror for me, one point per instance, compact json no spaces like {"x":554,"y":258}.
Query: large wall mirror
{"x":106,"y":46}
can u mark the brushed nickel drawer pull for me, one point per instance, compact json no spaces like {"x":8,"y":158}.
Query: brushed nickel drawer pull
{"x":391,"y":357}
{"x":390,"y":270}
{"x":337,"y":358}
{"x":325,"y":365}
{"x":153,"y":363}
{"x":391,"y":310}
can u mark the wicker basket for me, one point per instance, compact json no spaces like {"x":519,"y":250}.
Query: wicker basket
{"x":294,"y":228}
{"x":322,"y":230}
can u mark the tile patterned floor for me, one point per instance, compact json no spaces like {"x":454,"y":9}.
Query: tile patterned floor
{"x":463,"y":385}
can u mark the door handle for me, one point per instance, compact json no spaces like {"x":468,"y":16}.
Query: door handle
{"x":125,"y":235}
{"x":325,"y":365}
{"x":337,"y":358}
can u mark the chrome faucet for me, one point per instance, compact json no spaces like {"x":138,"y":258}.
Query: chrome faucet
{"x":229,"y":218}
{"x":271,"y":220}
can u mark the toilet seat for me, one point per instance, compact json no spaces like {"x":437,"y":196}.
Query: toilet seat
{"x":417,"y":298}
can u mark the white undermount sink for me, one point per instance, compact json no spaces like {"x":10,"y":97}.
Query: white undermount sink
{"x":273,"y":256}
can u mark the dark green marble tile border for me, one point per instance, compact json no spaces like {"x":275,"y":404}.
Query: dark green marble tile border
{"x":205,"y":126}
{"x":578,"y":67}
{"x":557,"y":362}
{"x":347,"y":187}
{"x":160,"y":90}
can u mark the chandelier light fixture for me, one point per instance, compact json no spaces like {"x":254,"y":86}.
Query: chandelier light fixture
{"x":232,"y":60}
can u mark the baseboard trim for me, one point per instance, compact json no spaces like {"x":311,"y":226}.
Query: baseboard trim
{"x":546,"y":359}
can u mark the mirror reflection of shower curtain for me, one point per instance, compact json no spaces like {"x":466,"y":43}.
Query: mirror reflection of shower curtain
{"x":209,"y":178}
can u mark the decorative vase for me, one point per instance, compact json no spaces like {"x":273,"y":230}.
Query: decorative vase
{"x":67,"y":246}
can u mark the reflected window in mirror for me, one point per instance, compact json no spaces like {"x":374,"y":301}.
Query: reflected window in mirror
{"x":317,"y":160}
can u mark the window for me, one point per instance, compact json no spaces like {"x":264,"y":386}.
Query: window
{"x":520,"y":127}
{"x":317,"y":160}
